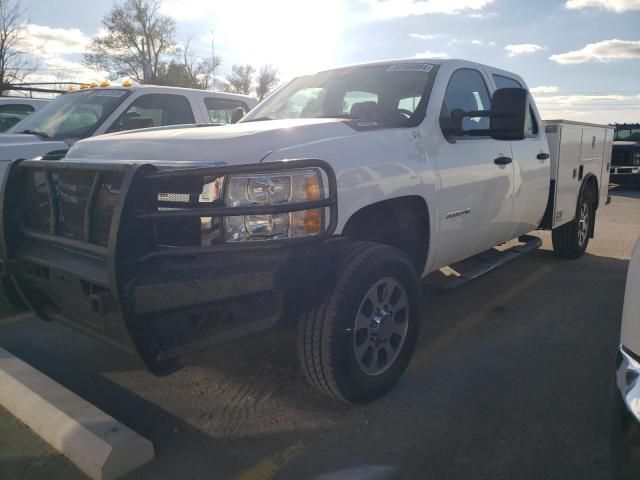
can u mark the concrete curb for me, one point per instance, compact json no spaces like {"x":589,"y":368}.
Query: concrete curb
{"x":98,"y":444}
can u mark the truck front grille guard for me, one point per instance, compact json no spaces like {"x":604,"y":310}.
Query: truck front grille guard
{"x":146,"y":182}
{"x":51,"y":263}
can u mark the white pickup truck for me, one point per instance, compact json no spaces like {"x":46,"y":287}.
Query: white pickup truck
{"x":323,"y":206}
{"x":87,"y":112}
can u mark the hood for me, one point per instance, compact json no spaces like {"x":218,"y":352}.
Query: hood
{"x":22,"y":145}
{"x":248,"y":142}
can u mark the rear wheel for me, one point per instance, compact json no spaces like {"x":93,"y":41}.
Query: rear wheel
{"x":571,"y":239}
{"x":357,"y":343}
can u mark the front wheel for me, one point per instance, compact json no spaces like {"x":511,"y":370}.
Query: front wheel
{"x":357,"y":343}
{"x":571,"y":239}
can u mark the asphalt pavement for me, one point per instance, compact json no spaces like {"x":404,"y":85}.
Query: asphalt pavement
{"x":511,"y":379}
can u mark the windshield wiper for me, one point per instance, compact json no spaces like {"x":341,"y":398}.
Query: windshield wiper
{"x":36,"y":133}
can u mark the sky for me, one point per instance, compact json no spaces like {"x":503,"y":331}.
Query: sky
{"x":580,"y":58}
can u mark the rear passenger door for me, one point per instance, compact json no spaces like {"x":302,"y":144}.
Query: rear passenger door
{"x":531,"y":168}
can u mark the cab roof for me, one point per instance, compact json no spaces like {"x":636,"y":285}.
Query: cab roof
{"x":165,"y":89}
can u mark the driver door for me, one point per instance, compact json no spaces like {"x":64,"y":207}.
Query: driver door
{"x":475,"y":185}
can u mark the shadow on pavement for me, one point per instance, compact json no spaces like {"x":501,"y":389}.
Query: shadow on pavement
{"x":510,"y":379}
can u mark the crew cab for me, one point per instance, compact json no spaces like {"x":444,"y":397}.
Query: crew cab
{"x":105,"y":109}
{"x":15,"y":109}
{"x":625,"y":160}
{"x":323,"y":206}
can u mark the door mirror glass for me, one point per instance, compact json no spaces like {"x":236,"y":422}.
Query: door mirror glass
{"x":509,"y":109}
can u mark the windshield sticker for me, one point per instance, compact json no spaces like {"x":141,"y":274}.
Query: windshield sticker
{"x":110,"y":93}
{"x":411,"y":67}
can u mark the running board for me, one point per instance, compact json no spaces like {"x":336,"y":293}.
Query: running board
{"x":456,"y":275}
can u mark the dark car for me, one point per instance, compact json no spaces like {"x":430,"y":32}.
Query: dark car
{"x":625,"y":159}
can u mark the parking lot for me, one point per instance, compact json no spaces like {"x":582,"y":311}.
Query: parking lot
{"x":510,"y":379}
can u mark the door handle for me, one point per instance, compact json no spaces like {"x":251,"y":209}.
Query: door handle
{"x":542,"y":156}
{"x":503,"y":160}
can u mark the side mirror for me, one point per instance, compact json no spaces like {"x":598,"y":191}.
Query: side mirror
{"x":509,"y":108}
{"x":134,"y":123}
{"x":237,"y":115}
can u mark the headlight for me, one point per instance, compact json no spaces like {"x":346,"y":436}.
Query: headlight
{"x":636,"y":158}
{"x":274,"y":189}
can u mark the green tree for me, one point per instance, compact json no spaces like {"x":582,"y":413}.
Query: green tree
{"x":137,"y":42}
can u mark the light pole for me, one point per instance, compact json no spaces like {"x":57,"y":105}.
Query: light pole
{"x":213,"y":62}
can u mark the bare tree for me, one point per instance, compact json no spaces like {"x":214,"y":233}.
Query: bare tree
{"x":240,"y":80}
{"x":137,"y":41}
{"x":65,"y":78}
{"x":199,"y":70}
{"x":15,"y":64}
{"x":266,"y":82}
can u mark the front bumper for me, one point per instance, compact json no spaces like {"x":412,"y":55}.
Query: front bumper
{"x":625,"y":174}
{"x":124,"y":286}
{"x":625,"y":418}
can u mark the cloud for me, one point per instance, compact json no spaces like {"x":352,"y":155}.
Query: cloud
{"x":477,"y":42}
{"x":606,"y":51}
{"x":598,"y":108}
{"x":613,"y":5}
{"x":544,"y":89}
{"x":430,"y":54}
{"x":387,"y":9}
{"x":56,"y":69}
{"x":522,"y":49}
{"x":43,"y":41}
{"x":483,"y":16}
{"x":421,"y":36}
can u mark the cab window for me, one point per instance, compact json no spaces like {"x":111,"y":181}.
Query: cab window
{"x":409,"y":104}
{"x":154,"y":110}
{"x":530,"y":125}
{"x":10,"y":114}
{"x":221,"y":109}
{"x":351,"y":98}
{"x":467,"y":91}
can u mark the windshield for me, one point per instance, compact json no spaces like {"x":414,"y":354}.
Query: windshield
{"x":630,"y":134}
{"x":388,"y":95}
{"x":72,"y":115}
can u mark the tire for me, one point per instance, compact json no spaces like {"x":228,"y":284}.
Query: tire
{"x":373,"y":305}
{"x":571,"y":239}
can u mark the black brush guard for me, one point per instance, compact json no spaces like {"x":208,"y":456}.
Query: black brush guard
{"x":116,"y":251}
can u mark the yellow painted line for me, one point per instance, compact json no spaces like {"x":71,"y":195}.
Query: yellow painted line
{"x":267,"y":468}
{"x":16,"y":318}
{"x":469,"y":322}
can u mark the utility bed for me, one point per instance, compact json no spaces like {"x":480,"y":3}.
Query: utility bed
{"x":577,"y":150}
